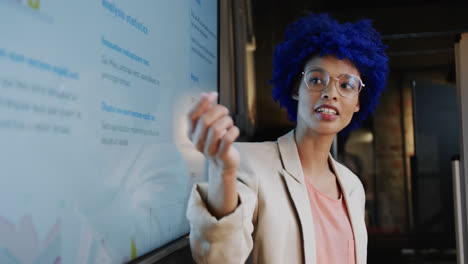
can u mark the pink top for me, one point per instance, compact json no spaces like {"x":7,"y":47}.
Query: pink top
{"x":333,"y":233}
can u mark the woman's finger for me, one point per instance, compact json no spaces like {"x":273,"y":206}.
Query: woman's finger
{"x":217,"y":130}
{"x":203,"y":124}
{"x":226,"y":141}
{"x":200,"y":108}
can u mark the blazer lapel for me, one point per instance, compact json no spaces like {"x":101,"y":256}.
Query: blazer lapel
{"x":294,"y":178}
{"x":347,"y":188}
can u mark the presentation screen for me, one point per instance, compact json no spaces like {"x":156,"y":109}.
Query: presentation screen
{"x":95,"y":162}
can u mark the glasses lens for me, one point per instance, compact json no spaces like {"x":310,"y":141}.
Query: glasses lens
{"x":316,"y":80}
{"x":349,"y":85}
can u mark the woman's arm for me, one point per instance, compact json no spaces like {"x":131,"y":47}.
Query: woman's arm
{"x":220,"y":212}
{"x":212,"y":131}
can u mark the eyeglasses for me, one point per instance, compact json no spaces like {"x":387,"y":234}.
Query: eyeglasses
{"x":317,"y":79}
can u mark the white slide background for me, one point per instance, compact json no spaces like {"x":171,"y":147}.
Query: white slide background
{"x":95,"y":164}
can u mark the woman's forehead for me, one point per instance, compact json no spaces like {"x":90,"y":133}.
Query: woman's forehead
{"x":332,"y":64}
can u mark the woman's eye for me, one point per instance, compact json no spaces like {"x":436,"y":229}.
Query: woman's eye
{"x":315,"y":81}
{"x":347,"y":86}
{"x":349,"y":83}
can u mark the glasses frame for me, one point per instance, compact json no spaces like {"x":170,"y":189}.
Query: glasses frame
{"x":337,"y":79}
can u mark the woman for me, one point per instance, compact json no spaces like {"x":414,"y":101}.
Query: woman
{"x":289,"y":201}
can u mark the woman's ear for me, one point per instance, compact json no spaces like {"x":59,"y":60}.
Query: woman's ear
{"x":295,"y":91}
{"x":358,"y":107}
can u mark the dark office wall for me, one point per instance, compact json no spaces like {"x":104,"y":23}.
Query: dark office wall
{"x":390,"y":17}
{"x":436,"y":141}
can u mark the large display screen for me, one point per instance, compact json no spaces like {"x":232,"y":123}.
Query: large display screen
{"x":95,"y":164}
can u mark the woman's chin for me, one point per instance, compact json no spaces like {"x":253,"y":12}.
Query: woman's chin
{"x":323,"y":126}
{"x":325,"y":129}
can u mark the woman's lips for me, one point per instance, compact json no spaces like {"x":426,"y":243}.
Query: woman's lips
{"x":326,"y":116}
{"x":327,"y":112}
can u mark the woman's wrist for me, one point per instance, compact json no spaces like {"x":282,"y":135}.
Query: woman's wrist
{"x":222,"y":193}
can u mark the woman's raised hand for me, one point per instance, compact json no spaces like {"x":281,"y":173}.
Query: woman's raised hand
{"x":212,"y":131}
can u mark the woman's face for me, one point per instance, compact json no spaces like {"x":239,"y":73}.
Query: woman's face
{"x":327,"y":111}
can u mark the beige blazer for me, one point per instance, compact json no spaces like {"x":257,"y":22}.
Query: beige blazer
{"x":273,"y":222}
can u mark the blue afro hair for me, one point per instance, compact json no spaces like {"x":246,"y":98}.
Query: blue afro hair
{"x":321,"y":35}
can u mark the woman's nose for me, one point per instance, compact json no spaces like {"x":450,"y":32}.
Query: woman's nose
{"x":330,"y":91}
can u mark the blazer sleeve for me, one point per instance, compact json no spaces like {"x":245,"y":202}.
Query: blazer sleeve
{"x":229,"y":239}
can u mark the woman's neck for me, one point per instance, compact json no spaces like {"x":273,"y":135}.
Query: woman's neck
{"x":313,"y":151}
